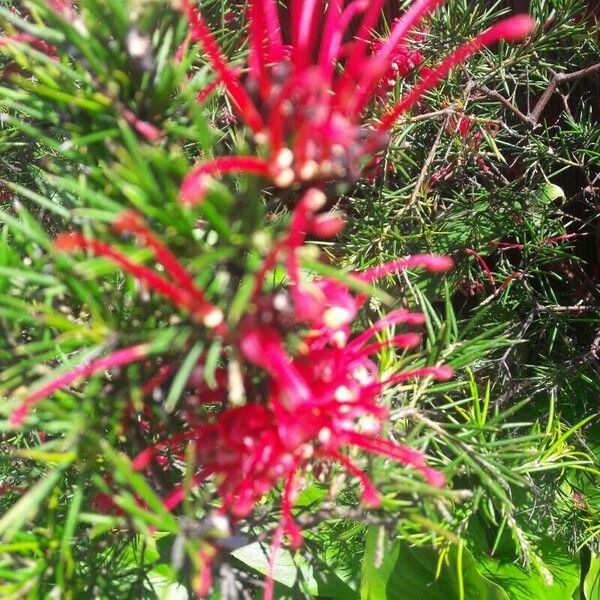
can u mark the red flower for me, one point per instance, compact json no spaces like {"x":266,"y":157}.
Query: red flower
{"x":306,"y":111}
{"x":319,"y":403}
{"x":321,"y":399}
{"x":313,"y":402}
{"x":180,"y":289}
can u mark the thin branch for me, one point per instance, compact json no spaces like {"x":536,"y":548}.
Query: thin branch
{"x":506,"y":103}
{"x":426,"y":165}
{"x":558,"y":79}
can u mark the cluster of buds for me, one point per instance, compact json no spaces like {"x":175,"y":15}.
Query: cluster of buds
{"x":306,"y":98}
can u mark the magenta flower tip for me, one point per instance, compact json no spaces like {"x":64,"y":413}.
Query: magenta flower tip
{"x":408,"y":340}
{"x":444,"y":373}
{"x":193,"y":189}
{"x":515,"y":28}
{"x":18,"y":416}
{"x":433,"y":477}
{"x":439,"y":263}
{"x":328,"y":225}
{"x":371,"y":497}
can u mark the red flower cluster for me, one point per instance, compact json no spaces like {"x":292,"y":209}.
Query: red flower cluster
{"x":318,"y":403}
{"x":320,"y":399}
{"x":311,"y":403}
{"x":305,"y":98}
{"x":310,"y":396}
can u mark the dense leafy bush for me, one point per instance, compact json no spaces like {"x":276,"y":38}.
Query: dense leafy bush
{"x":225,"y":371}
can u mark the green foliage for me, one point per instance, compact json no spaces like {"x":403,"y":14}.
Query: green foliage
{"x":515,"y":432}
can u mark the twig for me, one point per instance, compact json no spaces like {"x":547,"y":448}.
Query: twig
{"x":565,"y":309}
{"x":558,"y":79}
{"x":425,"y":168}
{"x":430,"y":115}
{"x":590,"y":356}
{"x":506,"y":103}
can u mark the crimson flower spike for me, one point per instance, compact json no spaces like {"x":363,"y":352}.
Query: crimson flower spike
{"x":201,"y":32}
{"x":182,"y":292}
{"x":305,"y":102}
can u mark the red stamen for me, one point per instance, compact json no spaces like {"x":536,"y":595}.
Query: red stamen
{"x":207,"y":313}
{"x":206,"y":91}
{"x":182,"y":48}
{"x":201,"y":32}
{"x":177,"y":496}
{"x":406,"y":340}
{"x":304,"y":30}
{"x":427,"y":261}
{"x":273,"y":29}
{"x":509,"y":245}
{"x":370,"y":495}
{"x":286,"y":526}
{"x":144,"y":458}
{"x":379,"y":63}
{"x":483,"y":265}
{"x":327,"y":225}
{"x":31,"y":40}
{"x":368,"y":23}
{"x":443,"y":373}
{"x":275,"y":546}
{"x":145,"y":129}
{"x":195,"y":183}
{"x":514,"y":28}
{"x":116,"y":359}
{"x":332,"y":40}
{"x":514,"y":275}
{"x":75,"y":241}
{"x":398,"y":452}
{"x":131,"y":222}
{"x":393,"y":318}
{"x":265,"y":349}
{"x":258,"y":58}
{"x":561,"y":238}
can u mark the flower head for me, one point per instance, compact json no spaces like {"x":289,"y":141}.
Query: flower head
{"x":305,"y":98}
{"x":320,"y":401}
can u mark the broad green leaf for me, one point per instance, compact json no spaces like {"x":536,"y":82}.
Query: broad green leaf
{"x":549,"y":192}
{"x":398,"y":571}
{"x":525,"y":584}
{"x":318,"y":579}
{"x":591,"y":583}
